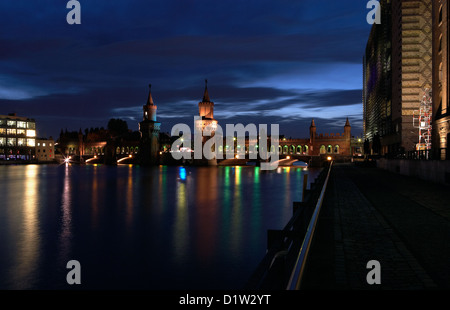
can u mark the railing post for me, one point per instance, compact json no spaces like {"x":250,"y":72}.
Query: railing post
{"x":274,"y":238}
{"x":294,"y":282}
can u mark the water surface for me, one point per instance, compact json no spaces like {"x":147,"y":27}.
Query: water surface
{"x":134,"y":227}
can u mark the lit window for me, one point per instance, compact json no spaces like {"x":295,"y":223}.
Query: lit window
{"x":31,"y":133}
{"x":21,"y":142}
{"x":31,"y":142}
{"x":21,"y":124}
{"x":11,"y":131}
{"x":20,"y":131}
{"x":11,"y":141}
{"x":39,"y":144}
{"x":31,"y":125}
{"x":43,"y":144}
{"x":2,"y":131}
{"x":11,"y":123}
{"x":2,"y":141}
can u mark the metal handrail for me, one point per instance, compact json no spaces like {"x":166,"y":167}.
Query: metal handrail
{"x":297,"y":273}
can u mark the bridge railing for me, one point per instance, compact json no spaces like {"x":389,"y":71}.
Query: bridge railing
{"x":287,"y":249}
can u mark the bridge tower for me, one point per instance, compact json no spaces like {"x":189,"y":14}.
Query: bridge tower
{"x":347,"y":129}
{"x":149,"y":128}
{"x":206,"y":122}
{"x":312,"y":135}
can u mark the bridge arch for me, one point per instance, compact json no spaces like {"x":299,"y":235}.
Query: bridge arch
{"x":336,"y":149}
{"x":323,"y":150}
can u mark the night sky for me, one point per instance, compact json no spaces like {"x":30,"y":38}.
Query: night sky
{"x":267,"y":62}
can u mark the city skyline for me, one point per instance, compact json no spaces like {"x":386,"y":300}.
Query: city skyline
{"x":266,"y":62}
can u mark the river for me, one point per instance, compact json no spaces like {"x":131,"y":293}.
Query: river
{"x":131,"y":227}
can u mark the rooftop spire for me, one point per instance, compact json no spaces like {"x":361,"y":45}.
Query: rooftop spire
{"x":347,"y":123}
{"x":312,"y":123}
{"x":206,"y":95}
{"x":150,"y":99}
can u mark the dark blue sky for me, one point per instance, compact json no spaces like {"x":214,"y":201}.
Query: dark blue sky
{"x":267,"y":62}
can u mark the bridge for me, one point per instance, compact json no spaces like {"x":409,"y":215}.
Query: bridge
{"x":290,"y":160}
{"x":124,"y":159}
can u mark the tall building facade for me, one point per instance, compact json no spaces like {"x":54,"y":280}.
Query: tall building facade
{"x":440,"y":94}
{"x":397,"y":68}
{"x":377,"y":78}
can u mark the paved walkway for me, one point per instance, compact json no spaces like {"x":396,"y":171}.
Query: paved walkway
{"x":372,"y":214}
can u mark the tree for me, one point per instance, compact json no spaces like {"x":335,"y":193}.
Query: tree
{"x":117,"y":127}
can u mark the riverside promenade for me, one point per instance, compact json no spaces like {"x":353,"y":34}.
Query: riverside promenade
{"x":372,"y":214}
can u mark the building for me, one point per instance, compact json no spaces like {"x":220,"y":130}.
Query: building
{"x":377,"y":78}
{"x":17,"y":137}
{"x":397,"y":68}
{"x":440,"y":88}
{"x":45,"y":150}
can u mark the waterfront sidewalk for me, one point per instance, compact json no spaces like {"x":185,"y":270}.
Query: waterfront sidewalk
{"x":372,"y":214}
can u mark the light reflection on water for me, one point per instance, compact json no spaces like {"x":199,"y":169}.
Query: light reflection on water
{"x":132,"y":227}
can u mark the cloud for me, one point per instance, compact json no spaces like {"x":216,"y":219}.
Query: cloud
{"x":267,"y":61}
